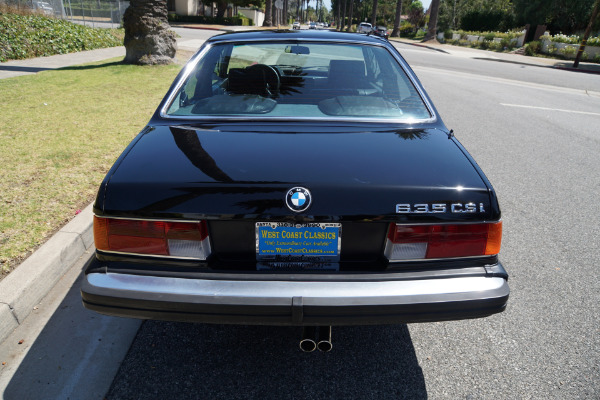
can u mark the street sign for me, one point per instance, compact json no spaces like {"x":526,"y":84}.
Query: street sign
{"x":279,"y":4}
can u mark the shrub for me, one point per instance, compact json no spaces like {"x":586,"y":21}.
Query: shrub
{"x":199,"y":19}
{"x":575,"y":39}
{"x":569,"y":51}
{"x":407,"y":29}
{"x":560,"y":38}
{"x":533,"y":48}
{"x":507,"y":44}
{"x":489,"y":36}
{"x":597,"y":58}
{"x":495,"y":46}
{"x":26,"y":36}
{"x":448,"y":34}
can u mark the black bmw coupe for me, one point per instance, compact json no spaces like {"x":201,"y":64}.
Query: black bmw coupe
{"x":296,"y":178}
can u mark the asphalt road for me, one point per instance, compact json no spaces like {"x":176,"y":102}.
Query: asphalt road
{"x":535,"y":132}
{"x":538,"y":141}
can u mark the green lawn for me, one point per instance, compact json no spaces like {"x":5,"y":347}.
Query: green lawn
{"x":60,"y":131}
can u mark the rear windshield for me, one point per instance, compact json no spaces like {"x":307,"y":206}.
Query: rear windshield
{"x":300,"y":80}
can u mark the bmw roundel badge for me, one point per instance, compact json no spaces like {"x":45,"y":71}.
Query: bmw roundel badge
{"x":298,"y":199}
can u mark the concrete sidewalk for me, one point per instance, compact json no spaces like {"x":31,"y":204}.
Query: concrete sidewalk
{"x":30,"y":66}
{"x":468,"y":52}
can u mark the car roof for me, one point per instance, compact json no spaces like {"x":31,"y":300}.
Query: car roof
{"x":289,"y":34}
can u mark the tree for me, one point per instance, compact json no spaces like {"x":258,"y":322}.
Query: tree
{"x":350,"y":19}
{"x":451,"y":13}
{"x":374,"y":14}
{"x":268,"y":13}
{"x":566,"y":16}
{"x":433,"y":16}
{"x":415,"y":14}
{"x":148,"y":39}
{"x":396,"y":31}
{"x":586,"y":35}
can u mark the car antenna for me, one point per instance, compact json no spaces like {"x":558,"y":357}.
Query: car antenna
{"x":451,"y":134}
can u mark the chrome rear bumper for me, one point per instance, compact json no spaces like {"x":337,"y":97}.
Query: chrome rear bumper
{"x":281,"y":302}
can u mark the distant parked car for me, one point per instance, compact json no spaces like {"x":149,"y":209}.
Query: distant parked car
{"x":381,"y":31}
{"x":296,"y":25}
{"x":364,"y":27}
{"x":43,"y":7}
{"x":312,"y":25}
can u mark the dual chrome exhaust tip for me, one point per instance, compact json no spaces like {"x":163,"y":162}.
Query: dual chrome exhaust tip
{"x":314,"y":338}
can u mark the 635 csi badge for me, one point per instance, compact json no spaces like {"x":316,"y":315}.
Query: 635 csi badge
{"x":298,"y":199}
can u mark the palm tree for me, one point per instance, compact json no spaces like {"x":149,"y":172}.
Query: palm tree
{"x":350,"y":16}
{"x":148,"y":39}
{"x":374,"y":15}
{"x":396,"y":31}
{"x":343,"y":23}
{"x":268,"y":13}
{"x":433,"y":16}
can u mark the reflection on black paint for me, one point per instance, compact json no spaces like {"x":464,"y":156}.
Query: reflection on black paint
{"x":412,"y":135}
{"x":191,"y":193}
{"x":189,"y":143}
{"x":260,"y":206}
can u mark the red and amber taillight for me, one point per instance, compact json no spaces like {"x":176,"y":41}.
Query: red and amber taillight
{"x":147,"y":237}
{"x":418,"y":242}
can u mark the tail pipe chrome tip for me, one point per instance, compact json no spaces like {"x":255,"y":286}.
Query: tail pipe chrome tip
{"x":308,"y":343}
{"x":324,"y":343}
{"x":316,"y":338}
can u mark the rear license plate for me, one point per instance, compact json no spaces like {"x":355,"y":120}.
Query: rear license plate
{"x":288,"y":242}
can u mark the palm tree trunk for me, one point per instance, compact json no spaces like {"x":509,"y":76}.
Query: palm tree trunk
{"x":396,"y":31}
{"x":374,"y":15}
{"x":343,"y":23}
{"x":433,"y":17}
{"x":268,"y":13}
{"x":350,"y":16}
{"x":148,"y":39}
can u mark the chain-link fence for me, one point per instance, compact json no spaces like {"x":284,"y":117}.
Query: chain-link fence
{"x":96,"y":13}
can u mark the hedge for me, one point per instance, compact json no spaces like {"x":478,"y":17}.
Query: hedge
{"x":27,"y":36}
{"x":198,"y":19}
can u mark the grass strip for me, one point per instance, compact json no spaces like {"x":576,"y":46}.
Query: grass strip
{"x":60,"y":131}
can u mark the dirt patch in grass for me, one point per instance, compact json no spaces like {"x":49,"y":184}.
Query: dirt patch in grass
{"x":60,"y":131}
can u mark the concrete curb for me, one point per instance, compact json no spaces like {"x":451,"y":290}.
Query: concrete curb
{"x":206,"y":28}
{"x":585,"y":71}
{"x":31,"y":281}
